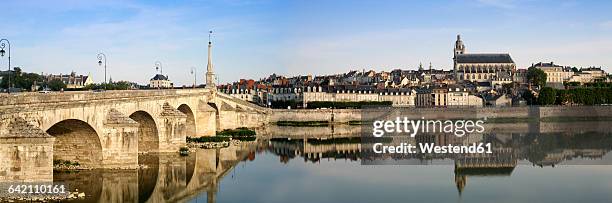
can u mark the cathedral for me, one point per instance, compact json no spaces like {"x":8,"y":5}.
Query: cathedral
{"x":482,"y":67}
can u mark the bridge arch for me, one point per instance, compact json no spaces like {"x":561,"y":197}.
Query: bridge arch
{"x":78,"y":142}
{"x":191,"y":123}
{"x":148,"y":135}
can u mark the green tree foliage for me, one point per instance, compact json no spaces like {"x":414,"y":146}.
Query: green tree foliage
{"x":536,"y":77}
{"x":577,"y":96}
{"x":599,"y":84}
{"x":547,"y":96}
{"x":56,"y":85}
{"x":22,"y":80}
{"x":239,"y":132}
{"x":529,"y":97}
{"x":121,"y":85}
{"x":208,"y":139}
{"x":574,"y":69}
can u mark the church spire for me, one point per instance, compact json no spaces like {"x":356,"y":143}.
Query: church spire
{"x":210,"y":83}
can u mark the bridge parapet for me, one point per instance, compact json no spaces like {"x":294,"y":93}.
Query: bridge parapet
{"x":9,"y":101}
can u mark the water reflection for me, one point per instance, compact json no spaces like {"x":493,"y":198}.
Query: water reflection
{"x":160,"y":177}
{"x":508,"y":149}
{"x":587,"y":143}
{"x":278,"y":169}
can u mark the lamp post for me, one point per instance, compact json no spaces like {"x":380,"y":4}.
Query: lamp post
{"x":159,"y":67}
{"x":100,"y":57}
{"x":217,"y":78}
{"x":2,"y":45}
{"x":193,"y":72}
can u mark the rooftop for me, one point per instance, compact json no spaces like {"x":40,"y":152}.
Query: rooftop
{"x":484,"y":58}
{"x":159,"y":77}
{"x":542,"y":64}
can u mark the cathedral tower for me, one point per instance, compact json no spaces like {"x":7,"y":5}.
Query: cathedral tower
{"x":459,"y":49}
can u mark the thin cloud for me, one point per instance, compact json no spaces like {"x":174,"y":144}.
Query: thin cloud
{"x":606,"y":24}
{"x":504,"y":4}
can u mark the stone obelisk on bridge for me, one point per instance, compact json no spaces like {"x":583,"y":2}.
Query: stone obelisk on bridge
{"x":210,"y":76}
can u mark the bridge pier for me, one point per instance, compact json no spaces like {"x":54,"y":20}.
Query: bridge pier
{"x":119,"y":141}
{"x":227,"y":117}
{"x":172,"y":129}
{"x":206,"y":123}
{"x":119,"y":186}
{"x":26,"y":152}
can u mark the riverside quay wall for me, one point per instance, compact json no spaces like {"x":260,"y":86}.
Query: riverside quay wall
{"x":527,"y":112}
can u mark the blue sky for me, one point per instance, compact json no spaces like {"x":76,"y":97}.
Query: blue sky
{"x":253,"y":39}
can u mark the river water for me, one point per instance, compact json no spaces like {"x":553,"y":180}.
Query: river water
{"x":323,"y":165}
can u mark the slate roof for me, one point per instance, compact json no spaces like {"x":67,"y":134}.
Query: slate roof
{"x":484,"y":58}
{"x":335,"y":88}
{"x":551,"y":64}
{"x":159,"y":77}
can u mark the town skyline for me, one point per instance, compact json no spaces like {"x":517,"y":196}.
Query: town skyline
{"x":64,"y":37}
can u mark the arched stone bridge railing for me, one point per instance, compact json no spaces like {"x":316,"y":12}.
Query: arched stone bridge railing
{"x":109,"y":129}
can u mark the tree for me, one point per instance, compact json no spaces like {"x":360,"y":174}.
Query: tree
{"x":574,"y":69}
{"x":508,"y":88}
{"x":4,"y":82}
{"x":21,"y":79}
{"x":529,"y":97}
{"x":563,"y":97}
{"x":56,"y":85}
{"x":27,"y":80}
{"x":547,"y":96}
{"x":536,"y":77}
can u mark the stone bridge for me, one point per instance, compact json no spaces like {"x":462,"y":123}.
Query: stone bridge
{"x":109,"y":129}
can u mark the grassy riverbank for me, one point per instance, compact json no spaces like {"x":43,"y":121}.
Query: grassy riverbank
{"x":303,"y":123}
{"x":242,"y":134}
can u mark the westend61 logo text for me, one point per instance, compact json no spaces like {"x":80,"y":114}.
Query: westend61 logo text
{"x":403,"y":125}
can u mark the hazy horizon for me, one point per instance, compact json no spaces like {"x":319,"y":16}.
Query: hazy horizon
{"x":253,"y":39}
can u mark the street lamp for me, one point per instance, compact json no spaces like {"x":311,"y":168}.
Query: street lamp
{"x":193,"y":72}
{"x":100,"y":57}
{"x":217,"y":78}
{"x":158,"y":67}
{"x":2,"y":45}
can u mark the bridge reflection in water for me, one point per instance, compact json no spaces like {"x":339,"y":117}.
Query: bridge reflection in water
{"x":159,"y":178}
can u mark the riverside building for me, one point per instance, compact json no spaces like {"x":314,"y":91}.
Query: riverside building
{"x":356,"y":93}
